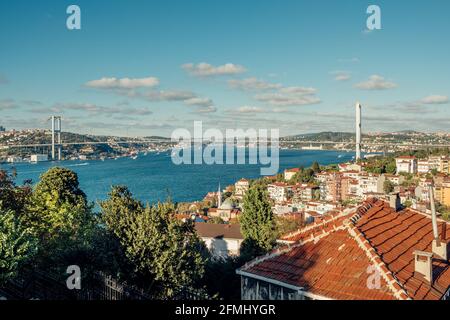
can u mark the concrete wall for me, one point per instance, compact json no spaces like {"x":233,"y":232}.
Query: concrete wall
{"x":223,"y":247}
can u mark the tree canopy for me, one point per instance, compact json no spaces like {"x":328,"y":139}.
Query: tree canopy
{"x":165,"y":252}
{"x":16,"y":245}
{"x":257,"y":222}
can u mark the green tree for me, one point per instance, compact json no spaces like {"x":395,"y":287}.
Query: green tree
{"x":221,"y":280}
{"x":58,"y":206}
{"x":391,"y":166}
{"x":13,"y":197}
{"x":257,"y":222}
{"x":16,"y":245}
{"x":316,"y":195}
{"x":307,"y":175}
{"x":315,"y":167}
{"x":216,"y":220}
{"x":60,"y":217}
{"x":388,"y":186}
{"x":408,"y":203}
{"x":166,"y":253}
{"x":286,"y":225}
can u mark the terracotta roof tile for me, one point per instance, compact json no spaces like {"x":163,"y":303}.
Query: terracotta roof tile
{"x":335,"y":264}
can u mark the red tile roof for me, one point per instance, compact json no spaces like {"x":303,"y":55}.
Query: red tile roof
{"x":217,"y":230}
{"x":331,"y":258}
{"x":394,"y":236}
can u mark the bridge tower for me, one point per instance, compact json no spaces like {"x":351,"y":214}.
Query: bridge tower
{"x":358,"y":131}
{"x":56,"y":137}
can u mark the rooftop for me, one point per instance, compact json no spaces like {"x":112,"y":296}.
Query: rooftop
{"x":331,"y":258}
{"x":217,"y":230}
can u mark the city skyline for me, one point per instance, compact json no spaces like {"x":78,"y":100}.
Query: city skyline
{"x":152,"y":67}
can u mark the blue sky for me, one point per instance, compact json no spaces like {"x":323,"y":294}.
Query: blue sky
{"x":148,"y":67}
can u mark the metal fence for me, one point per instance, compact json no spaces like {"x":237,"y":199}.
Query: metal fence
{"x":44,"y":286}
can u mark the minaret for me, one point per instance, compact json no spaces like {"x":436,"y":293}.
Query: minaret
{"x":358,"y":131}
{"x":219,"y":197}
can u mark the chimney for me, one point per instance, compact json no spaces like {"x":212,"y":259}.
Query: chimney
{"x":423,"y":264}
{"x":439,"y":246}
{"x":394,"y":201}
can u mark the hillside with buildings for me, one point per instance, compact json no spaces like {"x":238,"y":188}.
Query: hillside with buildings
{"x":376,"y":215}
{"x":74,"y":145}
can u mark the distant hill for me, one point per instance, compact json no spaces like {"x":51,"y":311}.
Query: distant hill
{"x":322,"y":136}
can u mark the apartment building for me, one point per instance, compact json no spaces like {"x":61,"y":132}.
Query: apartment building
{"x":406,"y":164}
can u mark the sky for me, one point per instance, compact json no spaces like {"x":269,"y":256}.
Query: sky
{"x":141,"y":68}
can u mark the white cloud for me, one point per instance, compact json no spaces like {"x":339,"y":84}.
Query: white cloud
{"x":8,"y":104}
{"x":204,"y":69}
{"x":298,"y":90}
{"x":435,"y":99}
{"x":280,"y":110}
{"x":341,"y":75}
{"x":247,"y":109}
{"x":123,"y":83}
{"x":208,"y":109}
{"x":201,"y":102}
{"x":96,"y":109}
{"x":251,"y":84}
{"x":289,"y":97}
{"x":276,"y":94}
{"x":170,"y":95}
{"x":376,"y":82}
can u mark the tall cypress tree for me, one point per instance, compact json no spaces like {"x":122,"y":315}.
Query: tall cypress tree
{"x":257,"y":222}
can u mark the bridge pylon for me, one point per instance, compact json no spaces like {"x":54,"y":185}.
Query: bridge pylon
{"x":56,"y":137}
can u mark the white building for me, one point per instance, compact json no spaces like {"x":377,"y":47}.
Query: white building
{"x":304,"y":192}
{"x":423,"y":166}
{"x":434,"y":162}
{"x":280,"y":210}
{"x":279,"y":191}
{"x":394,"y":178}
{"x":38,"y":157}
{"x":321,"y":207}
{"x":14,"y":159}
{"x":222,"y":240}
{"x":370,"y":183}
{"x":241,"y":187}
{"x":290,"y":173}
{"x":406,"y":164}
{"x":344,"y":167}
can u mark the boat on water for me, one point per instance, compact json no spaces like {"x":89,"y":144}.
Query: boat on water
{"x":134,"y":157}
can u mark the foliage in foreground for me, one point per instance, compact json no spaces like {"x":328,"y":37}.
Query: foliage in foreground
{"x":166,"y":253}
{"x":16,"y":245}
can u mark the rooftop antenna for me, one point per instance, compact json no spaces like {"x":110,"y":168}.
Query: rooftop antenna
{"x":433,"y":213}
{"x":439,"y":246}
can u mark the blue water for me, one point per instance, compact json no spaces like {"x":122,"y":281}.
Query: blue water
{"x":153,"y":177}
